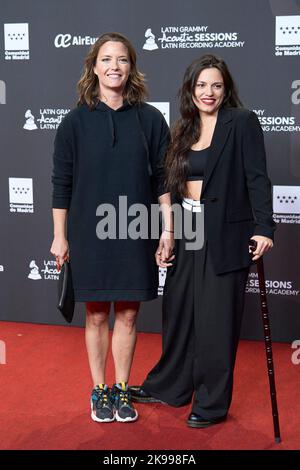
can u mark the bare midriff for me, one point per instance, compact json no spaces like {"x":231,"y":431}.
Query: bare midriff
{"x":194,"y":189}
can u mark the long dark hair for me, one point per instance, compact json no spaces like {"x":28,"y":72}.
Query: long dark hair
{"x":186,"y":130}
{"x":88,"y":86}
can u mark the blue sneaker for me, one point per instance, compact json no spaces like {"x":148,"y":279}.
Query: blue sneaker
{"x":124,"y":410}
{"x":101,"y":405}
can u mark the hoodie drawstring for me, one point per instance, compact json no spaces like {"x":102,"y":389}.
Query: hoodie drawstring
{"x":139,"y":121}
{"x":144,"y":140}
{"x":111,"y":128}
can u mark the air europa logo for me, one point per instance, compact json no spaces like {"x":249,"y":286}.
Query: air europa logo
{"x":67,"y":40}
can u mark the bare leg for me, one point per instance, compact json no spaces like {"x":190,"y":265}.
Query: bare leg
{"x":97,"y":338}
{"x":124,"y":338}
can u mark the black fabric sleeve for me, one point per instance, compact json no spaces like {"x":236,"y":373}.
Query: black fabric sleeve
{"x":258,"y":183}
{"x":62,"y":175}
{"x":159,"y":144}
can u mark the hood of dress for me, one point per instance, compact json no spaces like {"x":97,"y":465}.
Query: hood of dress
{"x":109,"y":112}
{"x":104,"y":108}
{"x":101,"y":106}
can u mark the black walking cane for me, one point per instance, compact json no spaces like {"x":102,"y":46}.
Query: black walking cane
{"x":268,"y":340}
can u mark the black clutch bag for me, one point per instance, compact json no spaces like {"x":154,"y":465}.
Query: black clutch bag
{"x":66,"y":302}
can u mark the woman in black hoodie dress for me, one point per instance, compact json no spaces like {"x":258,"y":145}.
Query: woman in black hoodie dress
{"x":109,"y":151}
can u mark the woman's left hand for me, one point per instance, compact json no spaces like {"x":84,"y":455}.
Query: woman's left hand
{"x":263,"y":245}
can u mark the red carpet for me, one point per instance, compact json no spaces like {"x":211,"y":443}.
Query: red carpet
{"x":45,"y":390}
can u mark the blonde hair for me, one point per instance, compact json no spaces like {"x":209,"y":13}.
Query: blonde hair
{"x":88,"y":86}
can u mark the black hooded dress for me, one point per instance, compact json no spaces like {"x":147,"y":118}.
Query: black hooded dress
{"x":100,"y":155}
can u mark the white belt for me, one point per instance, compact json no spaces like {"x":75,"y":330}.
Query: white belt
{"x":191,"y":205}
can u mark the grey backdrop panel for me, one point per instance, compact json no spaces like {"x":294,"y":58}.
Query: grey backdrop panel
{"x":47,"y":81}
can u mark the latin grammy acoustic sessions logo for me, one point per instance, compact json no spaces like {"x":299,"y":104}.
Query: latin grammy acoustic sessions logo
{"x":48,"y":119}
{"x":34,"y":271}
{"x":2,"y":92}
{"x":273,"y":287}
{"x":29,"y":125}
{"x":190,"y":37}
{"x":49,"y":271}
{"x":287,"y":35}
{"x":150,"y":44}
{"x":20,"y":195}
{"x":16,"y":41}
{"x":65,"y":40}
{"x":276,"y":123}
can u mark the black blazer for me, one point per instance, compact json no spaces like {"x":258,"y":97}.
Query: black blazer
{"x":236,"y":189}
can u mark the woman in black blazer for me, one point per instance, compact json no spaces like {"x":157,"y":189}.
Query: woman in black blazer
{"x":216,"y":165}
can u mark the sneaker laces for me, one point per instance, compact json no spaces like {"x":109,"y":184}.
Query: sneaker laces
{"x":123,"y":392}
{"x":125,"y":397}
{"x":102,"y":397}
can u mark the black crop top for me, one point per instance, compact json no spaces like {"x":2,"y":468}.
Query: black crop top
{"x":196,"y":163}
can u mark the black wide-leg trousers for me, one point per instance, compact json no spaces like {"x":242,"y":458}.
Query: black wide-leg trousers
{"x":202,"y":314}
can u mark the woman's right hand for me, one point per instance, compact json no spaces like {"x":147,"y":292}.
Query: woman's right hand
{"x":60,"y":249}
{"x":164,"y":253}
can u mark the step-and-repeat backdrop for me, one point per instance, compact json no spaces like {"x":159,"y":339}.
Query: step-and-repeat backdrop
{"x":42,"y":48}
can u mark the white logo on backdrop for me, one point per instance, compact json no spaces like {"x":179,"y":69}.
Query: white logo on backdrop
{"x":274,"y":287}
{"x":20,"y":190}
{"x":2,"y":92}
{"x":20,"y":195}
{"x":29,"y":125}
{"x":1,"y":268}
{"x":49,"y":119}
{"x":276,"y":123}
{"x":286,"y":199}
{"x":286,"y":204}
{"x":16,"y":41}
{"x":150,"y":44}
{"x":163,"y":107}
{"x":287,"y":30}
{"x":67,"y":40}
{"x":162,"y":273}
{"x":34,"y":271}
{"x":287,"y":35}
{"x":191,"y":37}
{"x":49,"y":272}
